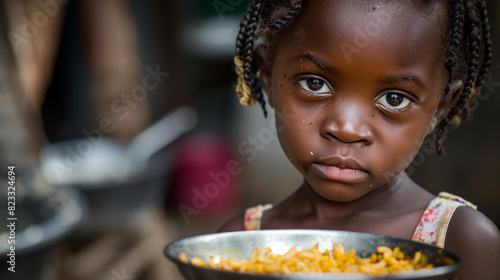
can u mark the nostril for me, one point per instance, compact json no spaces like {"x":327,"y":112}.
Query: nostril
{"x":347,"y":125}
{"x":350,"y":136}
{"x":331,"y":135}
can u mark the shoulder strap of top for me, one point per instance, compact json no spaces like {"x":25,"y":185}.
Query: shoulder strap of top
{"x":253,"y":216}
{"x":434,"y":222}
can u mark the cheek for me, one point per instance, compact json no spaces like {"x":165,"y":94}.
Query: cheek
{"x":295,"y":129}
{"x":290,"y":133}
{"x":401,"y":148}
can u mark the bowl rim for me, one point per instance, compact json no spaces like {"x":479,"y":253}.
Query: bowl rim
{"x":53,"y":231}
{"x":142,"y":173}
{"x":436,"y":271}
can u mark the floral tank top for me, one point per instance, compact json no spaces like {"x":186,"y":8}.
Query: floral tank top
{"x":431,"y":228}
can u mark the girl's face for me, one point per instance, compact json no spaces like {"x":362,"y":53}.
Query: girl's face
{"x":357,"y":87}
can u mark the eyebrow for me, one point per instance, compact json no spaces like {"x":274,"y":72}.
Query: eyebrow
{"x":390,"y":80}
{"x":317,"y":61}
{"x":405,"y":78}
{"x":310,"y":56}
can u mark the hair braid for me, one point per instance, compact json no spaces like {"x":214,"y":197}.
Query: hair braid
{"x":457,"y":27}
{"x":278,"y":21}
{"x":248,"y":87}
{"x":468,"y":21}
{"x":488,"y":45}
{"x":250,"y":68}
{"x":292,"y":13}
{"x":460,"y":107}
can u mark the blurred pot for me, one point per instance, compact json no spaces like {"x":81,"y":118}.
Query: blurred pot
{"x":121,"y":182}
{"x":44,"y":216}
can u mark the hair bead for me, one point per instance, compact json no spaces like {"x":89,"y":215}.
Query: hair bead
{"x":243,"y":91}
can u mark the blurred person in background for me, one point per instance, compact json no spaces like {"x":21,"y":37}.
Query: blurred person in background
{"x":31,"y":36}
{"x":31,"y":32}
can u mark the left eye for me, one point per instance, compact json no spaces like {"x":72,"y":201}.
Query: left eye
{"x":394,"y":101}
{"x":314,"y":85}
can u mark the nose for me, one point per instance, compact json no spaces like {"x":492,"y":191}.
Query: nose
{"x":348,"y":124}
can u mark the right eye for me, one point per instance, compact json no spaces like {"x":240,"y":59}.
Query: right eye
{"x":314,"y":85}
{"x":395,"y":102}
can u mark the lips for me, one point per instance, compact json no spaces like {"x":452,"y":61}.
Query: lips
{"x":341,"y":169}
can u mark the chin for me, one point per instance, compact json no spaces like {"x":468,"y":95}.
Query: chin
{"x":340,"y":194}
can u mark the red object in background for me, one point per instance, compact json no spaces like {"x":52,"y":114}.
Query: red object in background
{"x":203,"y":181}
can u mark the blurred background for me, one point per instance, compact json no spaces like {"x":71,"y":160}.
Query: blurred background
{"x":120,"y":122}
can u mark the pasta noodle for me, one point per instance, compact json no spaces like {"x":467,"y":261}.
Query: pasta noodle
{"x":384,"y":262}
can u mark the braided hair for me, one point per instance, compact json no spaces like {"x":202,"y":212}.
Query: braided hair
{"x":468,"y":54}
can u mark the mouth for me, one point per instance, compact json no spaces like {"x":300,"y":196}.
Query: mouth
{"x":341,"y":170}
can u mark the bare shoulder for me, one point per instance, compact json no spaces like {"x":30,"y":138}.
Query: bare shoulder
{"x":234,"y":224}
{"x":476,"y":239}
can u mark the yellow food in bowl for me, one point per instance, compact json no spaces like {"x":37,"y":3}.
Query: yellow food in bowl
{"x":384,"y":262}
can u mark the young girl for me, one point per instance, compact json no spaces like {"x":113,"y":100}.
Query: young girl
{"x":360,"y":85}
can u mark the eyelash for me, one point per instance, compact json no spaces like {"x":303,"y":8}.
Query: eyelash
{"x":381,"y":103}
{"x":301,"y":81}
{"x":384,"y":105}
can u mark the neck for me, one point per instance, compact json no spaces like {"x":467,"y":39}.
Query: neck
{"x":324,"y":209}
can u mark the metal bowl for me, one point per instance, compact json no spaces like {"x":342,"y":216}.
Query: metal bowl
{"x":44,"y":217}
{"x":240,"y":244}
{"x":121,"y":182}
{"x":118,"y":195}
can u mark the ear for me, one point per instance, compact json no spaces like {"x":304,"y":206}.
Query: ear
{"x":265,"y":72}
{"x":445,"y":105}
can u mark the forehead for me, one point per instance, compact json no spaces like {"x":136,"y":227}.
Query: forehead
{"x":359,"y":30}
